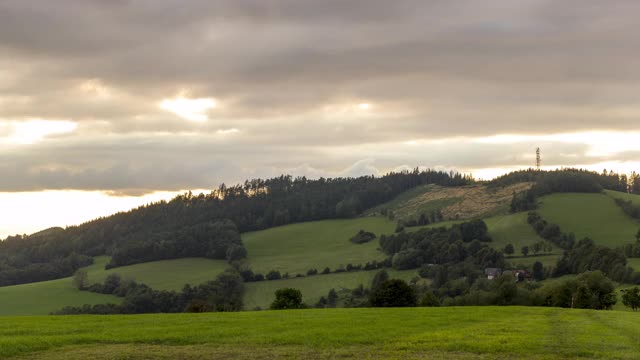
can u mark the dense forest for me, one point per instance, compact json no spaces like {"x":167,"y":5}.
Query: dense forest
{"x":461,"y":243}
{"x":570,"y":180}
{"x":205,"y":225}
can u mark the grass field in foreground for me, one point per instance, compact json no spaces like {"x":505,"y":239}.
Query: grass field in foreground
{"x":313,"y":287}
{"x":590,"y":215}
{"x":163,"y":274}
{"x":44,"y":297}
{"x":297,"y":248}
{"x":409,"y":333}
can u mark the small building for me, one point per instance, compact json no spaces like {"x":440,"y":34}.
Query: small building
{"x":492,"y":273}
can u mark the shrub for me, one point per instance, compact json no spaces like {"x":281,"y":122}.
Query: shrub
{"x":363,"y":237}
{"x":393,"y":293}
{"x":287,"y":298}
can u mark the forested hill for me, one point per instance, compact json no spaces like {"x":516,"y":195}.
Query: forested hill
{"x":570,"y":180}
{"x":197,"y":225}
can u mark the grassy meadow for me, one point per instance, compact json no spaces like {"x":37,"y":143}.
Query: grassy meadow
{"x":401,"y":333}
{"x":161,"y":275}
{"x":590,"y":215}
{"x":297,"y":248}
{"x":261,"y":294}
{"x":514,"y":229}
{"x":41,"y":298}
{"x":635,"y":199}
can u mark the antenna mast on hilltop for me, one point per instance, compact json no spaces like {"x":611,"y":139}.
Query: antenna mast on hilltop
{"x":538,"y":159}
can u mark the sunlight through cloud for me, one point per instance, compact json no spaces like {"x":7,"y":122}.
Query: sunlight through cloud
{"x":33,"y":131}
{"x":189,"y":109}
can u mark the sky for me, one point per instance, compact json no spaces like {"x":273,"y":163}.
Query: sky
{"x":110,"y":104}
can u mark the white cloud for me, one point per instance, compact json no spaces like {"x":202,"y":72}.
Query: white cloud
{"x":190,"y":109}
{"x":33,"y":131}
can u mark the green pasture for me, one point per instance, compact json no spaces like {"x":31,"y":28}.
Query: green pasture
{"x":163,"y":274}
{"x":590,"y":215}
{"x":401,"y":333}
{"x":297,"y":248}
{"x":44,"y":297}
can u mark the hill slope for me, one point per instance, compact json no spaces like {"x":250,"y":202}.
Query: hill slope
{"x":299,"y":247}
{"x":635,"y":199}
{"x":463,"y":202}
{"x":42,"y":298}
{"x":514,"y":229}
{"x":590,"y":215}
{"x":163,"y":274}
{"x":404,"y":333}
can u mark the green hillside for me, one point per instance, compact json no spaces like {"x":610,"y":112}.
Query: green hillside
{"x":44,"y":297}
{"x":590,"y":215}
{"x":514,"y":229}
{"x":299,"y":247}
{"x":261,"y":294}
{"x":162,"y":275}
{"x":624,"y":196}
{"x":401,"y":333}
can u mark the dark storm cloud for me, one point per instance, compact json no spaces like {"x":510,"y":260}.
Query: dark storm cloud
{"x":285,"y":71}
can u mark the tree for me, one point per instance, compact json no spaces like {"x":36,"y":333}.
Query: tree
{"x":509,"y":250}
{"x":589,"y":290}
{"x":273,"y":275}
{"x":595,"y":291}
{"x":538,"y":271}
{"x":80,"y":279}
{"x":638,"y":236}
{"x":236,"y":252}
{"x":631,"y":298}
{"x":393,"y":293}
{"x":363,"y":237}
{"x":429,"y":300}
{"x":111,"y":283}
{"x":332,"y":298}
{"x":525,"y":250}
{"x":378,"y":279}
{"x":199,"y":306}
{"x":537,"y":247}
{"x":287,"y":298}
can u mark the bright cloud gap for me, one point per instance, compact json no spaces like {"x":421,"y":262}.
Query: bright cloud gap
{"x":34,"y":130}
{"x":190,"y":109}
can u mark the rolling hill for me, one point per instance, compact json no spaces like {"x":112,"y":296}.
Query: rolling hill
{"x":291,"y":248}
{"x":296,"y":248}
{"x":590,"y":215}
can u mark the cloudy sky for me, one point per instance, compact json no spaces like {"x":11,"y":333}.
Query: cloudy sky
{"x":108,"y":104}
